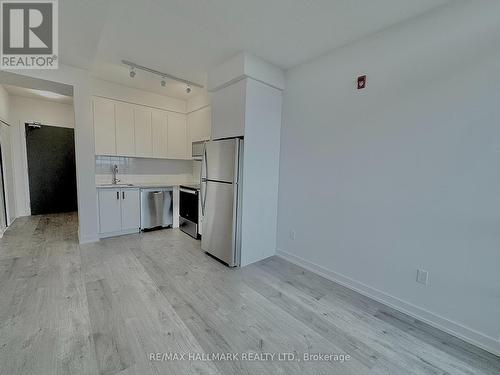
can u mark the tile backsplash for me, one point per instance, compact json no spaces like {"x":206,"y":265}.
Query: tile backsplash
{"x":127,"y":165}
{"x":135,"y":170}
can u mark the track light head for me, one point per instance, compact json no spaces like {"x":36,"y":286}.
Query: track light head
{"x":164,"y":76}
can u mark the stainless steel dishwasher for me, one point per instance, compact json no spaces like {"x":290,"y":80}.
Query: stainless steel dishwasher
{"x":156,"y":208}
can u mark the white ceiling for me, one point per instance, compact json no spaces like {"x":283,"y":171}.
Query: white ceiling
{"x":188,"y":37}
{"x":38,"y":94}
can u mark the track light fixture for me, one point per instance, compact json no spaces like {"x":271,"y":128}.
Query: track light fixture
{"x":164,"y":76}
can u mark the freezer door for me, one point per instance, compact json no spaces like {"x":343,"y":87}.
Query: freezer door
{"x":220,"y":161}
{"x":219,"y":224}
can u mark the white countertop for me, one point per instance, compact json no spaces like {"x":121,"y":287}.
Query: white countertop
{"x":138,"y":185}
{"x":195,"y":186}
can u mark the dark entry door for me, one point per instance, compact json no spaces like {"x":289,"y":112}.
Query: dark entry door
{"x":51,"y":169}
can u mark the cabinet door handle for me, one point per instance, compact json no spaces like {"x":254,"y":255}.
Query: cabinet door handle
{"x":123,"y":195}
{"x":117,"y":195}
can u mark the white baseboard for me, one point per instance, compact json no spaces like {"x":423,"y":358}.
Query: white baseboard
{"x":87,"y":239}
{"x":467,"y":334}
{"x":11,"y":220}
{"x":119,"y":233}
{"x":98,"y":237}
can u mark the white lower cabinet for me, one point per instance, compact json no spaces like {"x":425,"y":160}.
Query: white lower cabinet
{"x":119,"y":211}
{"x":109,"y":211}
{"x":131,"y":209}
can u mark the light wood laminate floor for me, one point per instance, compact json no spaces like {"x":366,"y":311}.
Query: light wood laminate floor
{"x":103,"y":308}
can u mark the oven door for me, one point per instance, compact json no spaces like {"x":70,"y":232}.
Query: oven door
{"x":188,"y":211}
{"x":188,"y":204}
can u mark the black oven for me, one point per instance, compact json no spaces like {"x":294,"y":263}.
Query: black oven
{"x":188,"y":210}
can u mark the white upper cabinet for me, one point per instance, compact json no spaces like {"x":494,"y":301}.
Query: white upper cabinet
{"x":143,"y":135}
{"x":177,"y":137}
{"x":104,"y":126}
{"x":159,"y":123}
{"x":228,"y":111}
{"x":125,"y":137}
{"x":199,"y":124}
{"x":126,"y":129}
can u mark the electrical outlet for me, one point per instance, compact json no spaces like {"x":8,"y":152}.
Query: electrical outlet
{"x":423,"y":277}
{"x":292,"y":235}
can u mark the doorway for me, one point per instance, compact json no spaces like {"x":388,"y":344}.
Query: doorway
{"x":50,"y":152}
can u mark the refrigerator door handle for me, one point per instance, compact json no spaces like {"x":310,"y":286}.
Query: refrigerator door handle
{"x":203,"y":191}
{"x":201,"y":181}
{"x":236,"y":164}
{"x":201,"y":170}
{"x":205,"y":161}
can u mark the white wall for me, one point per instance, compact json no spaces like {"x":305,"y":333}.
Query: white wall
{"x":261,"y":159}
{"x":6,"y":155}
{"x":197,"y":102}
{"x":245,"y":64}
{"x":46,"y":112}
{"x":4,"y":104}
{"x":4,"y":133}
{"x":26,"y":110}
{"x":127,"y":94}
{"x":404,"y":174}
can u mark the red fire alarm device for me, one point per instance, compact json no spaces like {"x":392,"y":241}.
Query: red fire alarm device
{"x":361,"y":82}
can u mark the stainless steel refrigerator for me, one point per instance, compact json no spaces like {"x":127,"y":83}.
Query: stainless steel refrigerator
{"x":221,"y":192}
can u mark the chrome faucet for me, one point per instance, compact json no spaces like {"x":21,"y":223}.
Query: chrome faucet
{"x":114,"y":170}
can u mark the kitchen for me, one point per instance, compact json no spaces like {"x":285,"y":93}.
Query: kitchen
{"x":173,"y":168}
{"x":144,"y":156}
